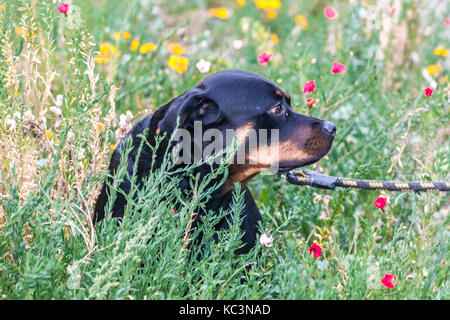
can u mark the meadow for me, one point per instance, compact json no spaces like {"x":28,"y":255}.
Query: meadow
{"x":75,"y":79}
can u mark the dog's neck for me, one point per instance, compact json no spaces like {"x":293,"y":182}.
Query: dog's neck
{"x":239,"y":173}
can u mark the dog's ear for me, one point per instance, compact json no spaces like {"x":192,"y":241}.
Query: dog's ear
{"x":198,"y":106}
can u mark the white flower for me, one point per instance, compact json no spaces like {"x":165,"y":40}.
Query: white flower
{"x":59,"y":100}
{"x":57,"y":111}
{"x":10,"y":123}
{"x":203,"y":66}
{"x":238,"y":44}
{"x":265,"y":240}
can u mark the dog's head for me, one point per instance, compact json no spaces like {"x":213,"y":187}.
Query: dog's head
{"x":250,"y":104}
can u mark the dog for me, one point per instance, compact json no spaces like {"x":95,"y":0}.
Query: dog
{"x":231,"y":99}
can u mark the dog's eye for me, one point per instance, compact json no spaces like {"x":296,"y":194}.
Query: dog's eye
{"x":277,"y":109}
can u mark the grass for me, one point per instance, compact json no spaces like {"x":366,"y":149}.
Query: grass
{"x":71,"y":89}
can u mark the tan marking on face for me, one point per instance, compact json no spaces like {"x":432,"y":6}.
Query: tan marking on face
{"x":273,"y":154}
{"x":242,"y":132}
{"x":278,"y":93}
{"x":287,"y":95}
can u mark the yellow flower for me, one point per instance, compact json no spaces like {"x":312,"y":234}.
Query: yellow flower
{"x":147,"y":47}
{"x":117,"y":35}
{"x":268,"y":4}
{"x":48,"y":134}
{"x":99,"y":126}
{"x":2,"y":7}
{"x":241,"y":2}
{"x":107,"y":50}
{"x":434,"y":69}
{"x":178,"y":63}
{"x":112,"y":146}
{"x":440,"y":52}
{"x":100,"y":59}
{"x":176,"y":48}
{"x":274,"y":38}
{"x":22,"y":32}
{"x":302,"y":21}
{"x":126,"y":35}
{"x":221,"y":13}
{"x":271,"y":14}
{"x":134,"y":45}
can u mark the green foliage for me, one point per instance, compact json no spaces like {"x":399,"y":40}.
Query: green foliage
{"x":386,"y":129}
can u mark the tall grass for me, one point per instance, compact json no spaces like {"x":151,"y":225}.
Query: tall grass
{"x":62,"y":112}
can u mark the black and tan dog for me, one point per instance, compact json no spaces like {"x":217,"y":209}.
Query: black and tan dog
{"x":231,"y":99}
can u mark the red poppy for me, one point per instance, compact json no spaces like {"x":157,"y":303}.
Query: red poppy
{"x":330,"y":13}
{"x":174,"y":211}
{"x":315,"y":250}
{"x":311,"y":102}
{"x":63,"y":8}
{"x":380,"y":203}
{"x":447,"y":21}
{"x":338,"y":68}
{"x":428,"y":92}
{"x":264,"y":57}
{"x":389,"y":281}
{"x":309,"y":87}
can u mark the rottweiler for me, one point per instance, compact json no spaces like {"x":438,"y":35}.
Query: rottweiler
{"x":232,"y":99}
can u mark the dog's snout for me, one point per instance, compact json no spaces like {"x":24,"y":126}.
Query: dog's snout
{"x":329,"y":128}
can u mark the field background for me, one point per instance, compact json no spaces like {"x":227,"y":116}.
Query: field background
{"x":71,"y":87}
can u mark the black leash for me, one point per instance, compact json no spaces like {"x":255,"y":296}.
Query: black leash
{"x":310,"y":178}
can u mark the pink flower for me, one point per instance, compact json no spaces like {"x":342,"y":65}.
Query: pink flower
{"x":316,"y":250}
{"x":311,"y":102}
{"x":338,"y":68}
{"x":63,"y":8}
{"x":158,"y":130}
{"x":264,"y":57}
{"x":174,"y":211}
{"x":389,"y":281}
{"x":447,"y":21}
{"x":428,"y":92}
{"x":330,"y":13}
{"x":265,"y":240}
{"x":309,"y":87}
{"x":203,"y":66}
{"x":380,"y":203}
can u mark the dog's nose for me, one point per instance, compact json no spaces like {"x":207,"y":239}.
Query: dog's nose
{"x":329,"y":128}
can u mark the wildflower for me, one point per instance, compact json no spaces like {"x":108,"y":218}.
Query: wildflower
{"x":112,"y":146}
{"x":116,"y":35}
{"x":311,"y":102}
{"x":264,"y":57}
{"x":147,"y":47}
{"x":242,"y":3}
{"x":434,"y":69}
{"x":440,"y":52}
{"x":22,"y":32}
{"x":271,"y":14}
{"x":134,"y":44}
{"x":48,"y":134}
{"x":174,"y":211}
{"x":203,"y":66}
{"x":330,"y":13}
{"x":309,"y":87}
{"x":447,"y":21}
{"x":380,"y":202}
{"x":10,"y":123}
{"x":221,"y":13}
{"x":302,"y":21}
{"x":428,"y":92}
{"x":238,"y":44}
{"x":178,"y":63}
{"x":126,"y":35}
{"x":268,"y":4}
{"x":63,"y":8}
{"x":99,"y":126}
{"x":274,"y":38}
{"x":100,"y":59}
{"x":338,"y":68}
{"x":158,"y":130}
{"x":176,"y":48}
{"x":389,"y":281}
{"x":107,"y":50}
{"x":315,"y":250}
{"x":265,"y":240}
